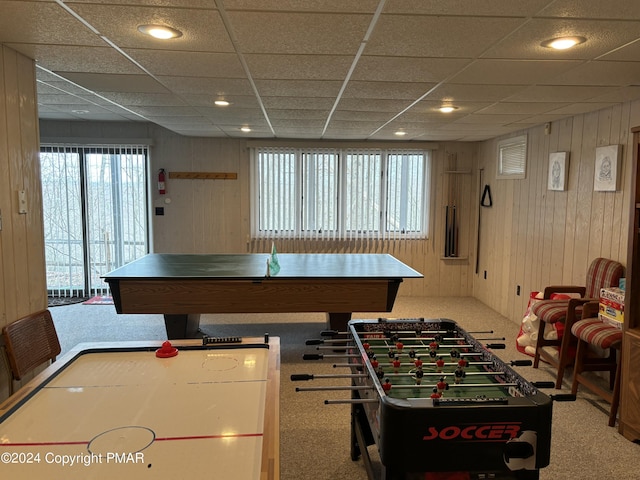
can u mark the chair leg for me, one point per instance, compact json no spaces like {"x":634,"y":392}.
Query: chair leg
{"x":564,"y":356}
{"x":581,"y":352}
{"x":615,"y":402}
{"x":539,"y":343}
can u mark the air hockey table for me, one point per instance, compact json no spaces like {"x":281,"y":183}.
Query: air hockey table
{"x":183,"y":286}
{"x":436,"y":402}
{"x":121,"y":411}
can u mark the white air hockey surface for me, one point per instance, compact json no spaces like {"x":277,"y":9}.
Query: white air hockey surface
{"x":129,"y":414}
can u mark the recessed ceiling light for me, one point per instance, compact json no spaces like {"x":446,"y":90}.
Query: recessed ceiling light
{"x":245,"y":129}
{"x":221,"y":103}
{"x":160,"y":31}
{"x":80,"y":112}
{"x":400,"y":133}
{"x":447,"y":108}
{"x":562,"y":43}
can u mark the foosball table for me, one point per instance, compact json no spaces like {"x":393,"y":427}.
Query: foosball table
{"x":437,"y":403}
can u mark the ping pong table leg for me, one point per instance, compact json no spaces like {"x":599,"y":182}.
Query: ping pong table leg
{"x":182,"y":325}
{"x":338,"y":321}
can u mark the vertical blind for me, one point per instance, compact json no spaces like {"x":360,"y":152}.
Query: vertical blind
{"x":339,"y":193}
{"x":95,"y":213}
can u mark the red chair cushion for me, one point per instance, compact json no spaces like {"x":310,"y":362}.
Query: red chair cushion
{"x":551,"y":311}
{"x":597,"y":333}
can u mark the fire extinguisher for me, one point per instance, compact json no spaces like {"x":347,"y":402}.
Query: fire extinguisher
{"x":161,"y":185}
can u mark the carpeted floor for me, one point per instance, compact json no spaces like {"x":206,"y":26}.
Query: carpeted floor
{"x":314,"y":438}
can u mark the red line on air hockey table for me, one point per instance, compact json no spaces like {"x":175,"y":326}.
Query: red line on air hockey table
{"x":158,"y":439}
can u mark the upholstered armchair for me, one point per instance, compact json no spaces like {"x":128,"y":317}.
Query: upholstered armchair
{"x":602,"y":273}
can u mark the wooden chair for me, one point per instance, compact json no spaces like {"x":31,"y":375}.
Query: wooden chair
{"x":593,"y":332}
{"x":602,"y":273}
{"x":30,"y":342}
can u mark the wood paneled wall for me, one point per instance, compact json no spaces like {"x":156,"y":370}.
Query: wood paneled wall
{"x":22,"y":266}
{"x":530,"y":237}
{"x":534,"y":237}
{"x":214,"y":215}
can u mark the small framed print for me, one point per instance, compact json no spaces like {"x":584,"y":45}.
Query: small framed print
{"x":607,"y":169}
{"x":558,"y":171}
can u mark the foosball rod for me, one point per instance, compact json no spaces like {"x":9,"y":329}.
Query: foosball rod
{"x":337,"y":341}
{"x":351,"y":401}
{"x":296,"y":377}
{"x":431,"y":339}
{"x":496,"y":346}
{"x":457,"y":385}
{"x":513,"y":363}
{"x":330,"y":388}
{"x":381,"y":334}
{"x":440,"y":374}
{"x":321,"y":356}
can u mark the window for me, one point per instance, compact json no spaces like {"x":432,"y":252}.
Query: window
{"x":95,"y":213}
{"x":512,"y":157}
{"x":340,"y":193}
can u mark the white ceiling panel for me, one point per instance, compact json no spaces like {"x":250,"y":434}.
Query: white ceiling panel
{"x":333,"y":69}
{"x":298,"y":33}
{"x":488,"y":8}
{"x":202,"y":29}
{"x":432,"y":36}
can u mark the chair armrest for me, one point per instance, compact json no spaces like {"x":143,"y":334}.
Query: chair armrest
{"x":590,"y":309}
{"x":574,"y":303}
{"x":548,"y":291}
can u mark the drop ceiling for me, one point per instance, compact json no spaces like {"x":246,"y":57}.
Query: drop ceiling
{"x":328,"y":69}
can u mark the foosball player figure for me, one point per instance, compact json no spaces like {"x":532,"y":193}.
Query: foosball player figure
{"x":374,"y":361}
{"x":459,"y":374}
{"x":379,"y":373}
{"x":412,"y":353}
{"x":462,"y":363}
{"x":399,"y":346}
{"x":442,"y":385}
{"x":417,"y":362}
{"x":436,"y":393}
{"x":386,"y":386}
{"x":396,"y":365}
{"x":454,"y":353}
{"x":391,"y":353}
{"x":433,"y":349}
{"x":418,"y":374}
{"x":439,"y":365}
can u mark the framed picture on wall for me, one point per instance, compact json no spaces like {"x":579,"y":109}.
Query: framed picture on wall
{"x":607,"y":169}
{"x":558,"y":171}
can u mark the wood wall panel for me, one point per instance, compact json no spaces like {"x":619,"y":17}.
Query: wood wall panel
{"x":22,"y":266}
{"x":530,"y":236}
{"x":553,"y":236}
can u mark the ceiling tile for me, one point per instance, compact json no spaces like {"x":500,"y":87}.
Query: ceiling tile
{"x":115,"y":83}
{"x":202,"y":28}
{"x":513,"y":72}
{"x":407,"y":69}
{"x":298,"y":33}
{"x":602,"y":36}
{"x":433,"y":36}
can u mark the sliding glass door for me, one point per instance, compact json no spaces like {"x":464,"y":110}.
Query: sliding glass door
{"x":95,"y":214}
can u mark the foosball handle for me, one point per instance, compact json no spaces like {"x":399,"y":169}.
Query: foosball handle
{"x":496,"y":346}
{"x":329,"y":333}
{"x":314,"y":342}
{"x":544,"y":384}
{"x":563,"y":397}
{"x":296,"y":377}
{"x":312,"y":356}
{"x":522,"y":363}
